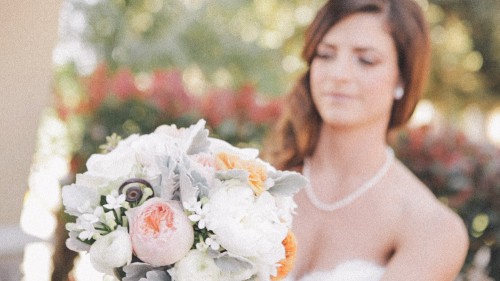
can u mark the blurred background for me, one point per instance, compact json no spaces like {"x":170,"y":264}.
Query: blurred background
{"x":76,"y":71}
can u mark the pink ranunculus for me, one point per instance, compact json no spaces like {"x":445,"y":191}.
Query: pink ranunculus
{"x":160,"y":231}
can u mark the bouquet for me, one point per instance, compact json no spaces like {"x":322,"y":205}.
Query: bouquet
{"x":179,"y":205}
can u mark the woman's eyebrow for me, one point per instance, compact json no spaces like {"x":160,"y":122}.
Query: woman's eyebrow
{"x":360,"y":48}
{"x":327,"y":45}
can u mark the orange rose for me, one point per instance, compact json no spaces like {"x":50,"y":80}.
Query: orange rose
{"x":256,"y":172}
{"x":287,"y":264}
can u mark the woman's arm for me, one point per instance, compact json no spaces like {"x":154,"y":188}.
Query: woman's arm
{"x":431,"y":244}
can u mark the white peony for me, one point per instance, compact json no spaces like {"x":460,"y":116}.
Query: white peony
{"x":111,"y":251}
{"x":195,"y":266}
{"x":246,"y":225}
{"x":116,"y":164}
{"x":286,"y":209}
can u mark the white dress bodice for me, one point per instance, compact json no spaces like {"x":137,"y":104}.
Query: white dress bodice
{"x":353,"y":270}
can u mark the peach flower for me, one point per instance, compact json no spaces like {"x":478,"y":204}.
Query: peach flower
{"x":256,"y":172}
{"x":161,"y":233}
{"x":286,"y":265}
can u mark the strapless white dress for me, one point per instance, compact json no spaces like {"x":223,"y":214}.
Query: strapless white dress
{"x":353,"y":270}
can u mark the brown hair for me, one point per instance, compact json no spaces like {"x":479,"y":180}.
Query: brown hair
{"x":297,"y":132}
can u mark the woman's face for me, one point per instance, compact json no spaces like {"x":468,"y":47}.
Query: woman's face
{"x":355,"y":72}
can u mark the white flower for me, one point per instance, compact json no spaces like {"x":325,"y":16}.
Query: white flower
{"x":201,"y":246}
{"x":192,"y":205}
{"x":217,"y":146}
{"x":195,"y":266}
{"x":114,"y":202}
{"x":79,"y":199}
{"x":197,"y":218}
{"x":286,"y":209}
{"x":109,"y":219}
{"x":212,"y":243}
{"x":117,"y":164}
{"x":198,"y":213}
{"x":75,"y":244}
{"x":85,"y":224}
{"x":244,"y":225}
{"x":95,"y":216}
{"x":147,"y":148}
{"x":111,"y":251}
{"x":90,"y":218}
{"x":97,"y":183}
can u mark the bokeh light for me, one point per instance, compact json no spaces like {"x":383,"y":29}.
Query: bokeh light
{"x":424,"y":114}
{"x":493,"y":127}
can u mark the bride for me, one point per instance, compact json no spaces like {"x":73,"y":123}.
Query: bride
{"x":364,"y":216}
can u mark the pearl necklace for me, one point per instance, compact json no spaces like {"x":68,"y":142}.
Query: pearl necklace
{"x":330,"y":207}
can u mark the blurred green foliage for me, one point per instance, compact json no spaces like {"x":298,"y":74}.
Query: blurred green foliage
{"x":225,"y":42}
{"x":466,"y":62}
{"x":229,"y":43}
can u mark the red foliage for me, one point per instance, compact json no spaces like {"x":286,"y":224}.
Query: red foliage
{"x":123,"y":86}
{"x":450,"y":164}
{"x":97,"y":86}
{"x":218,"y":105}
{"x":168,"y":93}
{"x":247,"y":111}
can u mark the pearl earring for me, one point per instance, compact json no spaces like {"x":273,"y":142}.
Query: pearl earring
{"x":399,"y":93}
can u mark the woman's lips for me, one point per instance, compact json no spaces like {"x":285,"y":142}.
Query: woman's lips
{"x":337,"y":97}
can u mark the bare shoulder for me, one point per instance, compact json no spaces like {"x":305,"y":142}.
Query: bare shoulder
{"x":420,"y":205}
{"x":428,"y":231}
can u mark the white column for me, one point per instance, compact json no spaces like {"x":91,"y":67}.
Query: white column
{"x":28,"y":34}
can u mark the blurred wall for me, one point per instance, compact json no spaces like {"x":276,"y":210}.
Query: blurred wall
{"x":28,"y":34}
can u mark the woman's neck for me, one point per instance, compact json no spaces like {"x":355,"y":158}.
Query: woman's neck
{"x":349,"y":154}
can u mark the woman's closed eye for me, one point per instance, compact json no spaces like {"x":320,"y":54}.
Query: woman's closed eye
{"x":367,"y":60}
{"x":364,"y":59}
{"x":325,"y":55}
{"x":367,"y":57}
